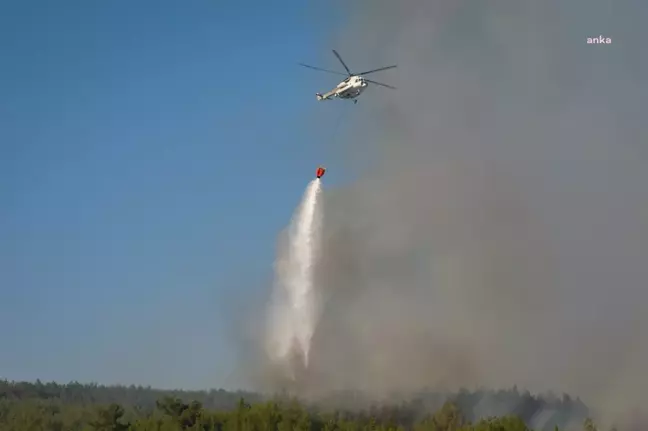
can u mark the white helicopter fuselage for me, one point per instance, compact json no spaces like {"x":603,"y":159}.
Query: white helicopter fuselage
{"x":350,"y":88}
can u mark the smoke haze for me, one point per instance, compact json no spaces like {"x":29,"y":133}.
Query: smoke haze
{"x":500,"y":236}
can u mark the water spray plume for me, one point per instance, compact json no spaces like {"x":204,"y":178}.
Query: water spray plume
{"x":295,"y":305}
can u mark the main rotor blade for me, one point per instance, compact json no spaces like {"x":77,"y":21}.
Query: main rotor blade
{"x":340,"y":58}
{"x":322,"y":70}
{"x":376,"y":70}
{"x":380,"y":83}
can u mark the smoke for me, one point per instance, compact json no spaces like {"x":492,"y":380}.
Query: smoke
{"x":439,"y":276}
{"x":500,"y":237}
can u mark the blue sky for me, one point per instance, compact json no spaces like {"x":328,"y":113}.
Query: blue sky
{"x":150,"y":152}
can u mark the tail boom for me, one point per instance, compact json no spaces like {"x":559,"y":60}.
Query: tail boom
{"x":325,"y":96}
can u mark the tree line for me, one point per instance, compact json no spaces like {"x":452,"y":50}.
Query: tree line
{"x":38,"y":406}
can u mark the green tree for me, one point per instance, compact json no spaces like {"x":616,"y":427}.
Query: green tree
{"x":108,"y":419}
{"x":508,"y":423}
{"x":588,"y":425}
{"x":448,"y":418}
{"x":184,"y":415}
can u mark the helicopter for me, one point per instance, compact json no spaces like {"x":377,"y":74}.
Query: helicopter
{"x":352,"y":86}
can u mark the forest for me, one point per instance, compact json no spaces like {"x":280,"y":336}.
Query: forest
{"x":37,"y":406}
